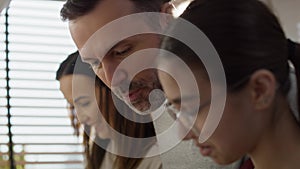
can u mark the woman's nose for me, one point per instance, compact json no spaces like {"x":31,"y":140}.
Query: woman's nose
{"x":186,"y":132}
{"x":190,"y":135}
{"x":83,"y":119}
{"x":110,"y":74}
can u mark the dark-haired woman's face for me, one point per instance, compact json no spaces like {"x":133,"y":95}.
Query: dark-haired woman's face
{"x":235,"y":134}
{"x":85,"y":98}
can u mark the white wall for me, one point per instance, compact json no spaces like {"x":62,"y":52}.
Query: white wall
{"x":288,"y":12}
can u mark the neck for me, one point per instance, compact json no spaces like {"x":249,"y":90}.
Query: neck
{"x":279,"y":146}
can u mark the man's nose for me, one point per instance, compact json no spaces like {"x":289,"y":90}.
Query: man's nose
{"x":113,"y":75}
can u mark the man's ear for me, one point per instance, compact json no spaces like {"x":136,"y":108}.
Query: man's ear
{"x":166,"y":17}
{"x":263,"y":88}
{"x":167,"y":8}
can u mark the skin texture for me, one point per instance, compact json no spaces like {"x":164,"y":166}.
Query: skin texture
{"x":256,"y":121}
{"x":85,"y":102}
{"x":112,"y":55}
{"x":221,"y":143}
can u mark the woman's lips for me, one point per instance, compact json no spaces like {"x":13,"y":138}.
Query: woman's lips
{"x":205,"y":150}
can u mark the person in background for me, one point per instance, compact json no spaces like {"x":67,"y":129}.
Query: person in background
{"x":94,"y":154}
{"x":257,"y":119}
{"x":83,"y":89}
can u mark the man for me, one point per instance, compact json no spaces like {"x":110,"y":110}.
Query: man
{"x":84,"y":22}
{"x":86,"y":18}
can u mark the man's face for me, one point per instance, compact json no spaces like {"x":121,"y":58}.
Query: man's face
{"x":133,"y":88}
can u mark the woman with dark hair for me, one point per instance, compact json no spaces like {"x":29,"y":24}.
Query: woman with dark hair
{"x":257,"y":119}
{"x":94,"y":154}
{"x":83,"y":89}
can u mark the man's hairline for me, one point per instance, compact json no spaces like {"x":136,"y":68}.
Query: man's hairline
{"x":136,"y":10}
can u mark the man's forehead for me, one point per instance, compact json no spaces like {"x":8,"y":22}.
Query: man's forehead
{"x":96,"y":48}
{"x":106,"y":11}
{"x":106,"y":37}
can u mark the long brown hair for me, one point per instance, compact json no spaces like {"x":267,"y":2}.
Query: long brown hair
{"x":94,"y":157}
{"x":126,"y":127}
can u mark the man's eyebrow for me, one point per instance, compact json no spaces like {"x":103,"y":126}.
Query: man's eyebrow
{"x":117,"y":44}
{"x":106,"y":51}
{"x":80,"y":98}
{"x":174,"y":101}
{"x":178,"y":100}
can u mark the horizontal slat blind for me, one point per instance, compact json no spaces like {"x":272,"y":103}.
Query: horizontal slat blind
{"x":4,"y":138}
{"x":41,"y":130}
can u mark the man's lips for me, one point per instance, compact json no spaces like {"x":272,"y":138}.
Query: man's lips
{"x":134,"y":95}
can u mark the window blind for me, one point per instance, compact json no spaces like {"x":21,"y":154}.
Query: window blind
{"x":33,"y":43}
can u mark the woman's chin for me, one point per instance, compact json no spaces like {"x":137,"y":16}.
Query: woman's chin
{"x":102,"y":132}
{"x":223,"y":161}
{"x":103,"y":135}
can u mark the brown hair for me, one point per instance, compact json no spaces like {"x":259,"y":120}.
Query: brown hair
{"x":246,"y":35}
{"x":73,"y":9}
{"x":67,"y":67}
{"x":113,"y":118}
{"x":95,"y":155}
{"x":125,"y":127}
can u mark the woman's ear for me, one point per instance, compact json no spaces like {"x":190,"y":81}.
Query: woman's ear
{"x":263,"y":87}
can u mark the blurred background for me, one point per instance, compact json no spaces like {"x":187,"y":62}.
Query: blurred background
{"x":34,"y":122}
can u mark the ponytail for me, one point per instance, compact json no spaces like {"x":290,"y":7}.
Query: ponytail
{"x":294,"y":57}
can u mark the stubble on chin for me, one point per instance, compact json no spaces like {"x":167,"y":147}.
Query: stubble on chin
{"x":142,"y":106}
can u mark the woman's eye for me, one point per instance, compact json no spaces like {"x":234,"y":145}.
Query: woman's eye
{"x":84,"y":104}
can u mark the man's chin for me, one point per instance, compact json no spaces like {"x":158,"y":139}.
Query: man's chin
{"x":145,"y":107}
{"x":140,"y":107}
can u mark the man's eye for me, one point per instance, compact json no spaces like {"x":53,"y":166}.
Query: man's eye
{"x":96,"y":65}
{"x":122,"y":51}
